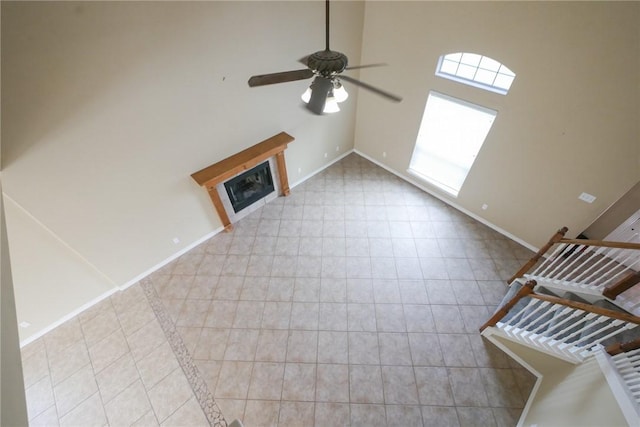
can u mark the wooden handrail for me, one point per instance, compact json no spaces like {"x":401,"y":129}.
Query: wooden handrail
{"x":543,"y":250}
{"x":626,"y":283}
{"x":618,"y":348}
{"x":588,"y":308}
{"x":601,"y":243}
{"x":526,"y":290}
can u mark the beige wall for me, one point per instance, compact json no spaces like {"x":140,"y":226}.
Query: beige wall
{"x":568,"y":125}
{"x":109,"y":107}
{"x":53,"y":282}
{"x":567,"y":395}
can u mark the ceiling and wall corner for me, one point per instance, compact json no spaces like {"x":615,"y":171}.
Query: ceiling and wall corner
{"x":568,"y":125}
{"x":108,"y":109}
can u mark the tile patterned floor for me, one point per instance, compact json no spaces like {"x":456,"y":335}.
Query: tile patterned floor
{"x":354,"y":301}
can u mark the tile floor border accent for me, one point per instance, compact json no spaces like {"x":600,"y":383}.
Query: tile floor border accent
{"x":196,"y":381}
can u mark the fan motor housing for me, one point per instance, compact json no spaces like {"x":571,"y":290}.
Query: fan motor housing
{"x":327,"y":62}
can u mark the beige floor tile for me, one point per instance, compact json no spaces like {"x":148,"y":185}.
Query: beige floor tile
{"x":116,"y":377}
{"x":425,"y":349}
{"x":107,"y":351}
{"x":241,"y":344}
{"x":399,"y":385}
{"x":48,"y":418}
{"x":157,"y":365}
{"x":394,"y":349}
{"x":433,"y":386}
{"x":128,"y":406}
{"x":249,"y":314}
{"x":333,"y":347}
{"x":39,"y":397}
{"x":403,"y":415}
{"x":467,"y":387}
{"x":63,"y":336}
{"x":232,"y":408}
{"x":302,"y":346}
{"x":35,"y":367}
{"x":99,"y":327}
{"x":304,"y":315}
{"x":363,"y":348}
{"x":193,"y":313}
{"x":64,"y":363}
{"x":189,"y":414}
{"x":299,"y":382}
{"x":332,"y":316}
{"x":471,"y":417}
{"x":75,"y":389}
{"x":501,"y":388}
{"x":365,"y":384}
{"x":147,"y":420}
{"x":332,"y":414}
{"x":169,"y":394}
{"x":367,"y":415}
{"x":456,"y":350}
{"x":261,"y":413}
{"x":211,"y":344}
{"x":234,"y":380}
{"x":440,"y":416}
{"x":146,"y":339}
{"x":276,"y":315}
{"x":89,"y":412}
{"x":296,"y":414}
{"x":266,"y":381}
{"x":332,"y":383}
{"x":272,"y":345}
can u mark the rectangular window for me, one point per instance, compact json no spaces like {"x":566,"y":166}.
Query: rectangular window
{"x":450,"y":136}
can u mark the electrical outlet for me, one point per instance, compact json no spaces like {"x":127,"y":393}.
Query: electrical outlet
{"x":586,"y":197}
{"x":384,"y":154}
{"x":24,"y":324}
{"x":337,"y":148}
{"x":175,"y":240}
{"x":485,"y":207}
{"x":325,"y":155}
{"x":299,"y":170}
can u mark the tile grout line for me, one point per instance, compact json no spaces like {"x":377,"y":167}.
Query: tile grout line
{"x":198,"y":385}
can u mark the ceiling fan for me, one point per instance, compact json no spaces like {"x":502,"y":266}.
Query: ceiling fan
{"x":326,"y":89}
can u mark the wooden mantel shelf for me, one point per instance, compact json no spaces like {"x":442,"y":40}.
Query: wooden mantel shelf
{"x":213,"y":175}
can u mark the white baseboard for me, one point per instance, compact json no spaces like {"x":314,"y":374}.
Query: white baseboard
{"x":118,"y":288}
{"x":69,"y":316}
{"x":317,"y":171}
{"x":449,"y":202}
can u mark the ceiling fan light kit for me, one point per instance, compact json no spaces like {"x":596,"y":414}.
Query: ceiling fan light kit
{"x":326,"y":90}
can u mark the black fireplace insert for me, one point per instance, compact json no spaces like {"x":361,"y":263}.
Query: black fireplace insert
{"x":250,"y":186}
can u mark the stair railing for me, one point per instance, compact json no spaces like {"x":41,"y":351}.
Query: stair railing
{"x":594,"y":267}
{"x":626,"y":360}
{"x":566,"y":329}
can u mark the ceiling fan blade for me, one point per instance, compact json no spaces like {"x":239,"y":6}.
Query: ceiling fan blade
{"x":367,"y":86}
{"x":319,"y":90}
{"x":357,"y":67}
{"x":285,"y":76}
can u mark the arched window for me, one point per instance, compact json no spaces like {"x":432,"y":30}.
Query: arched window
{"x":476,"y":70}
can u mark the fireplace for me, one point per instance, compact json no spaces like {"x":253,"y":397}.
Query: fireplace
{"x":249,"y":187}
{"x":255,"y":186}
